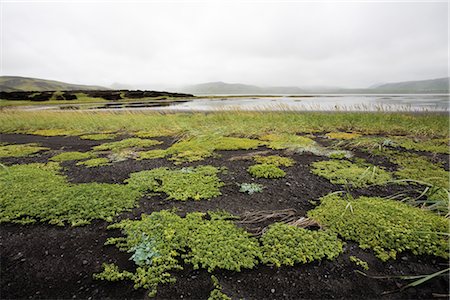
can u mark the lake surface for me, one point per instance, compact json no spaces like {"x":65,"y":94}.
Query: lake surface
{"x":320,"y":102}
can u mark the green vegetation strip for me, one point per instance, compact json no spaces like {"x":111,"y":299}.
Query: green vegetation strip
{"x":126,"y":144}
{"x":244,"y":124}
{"x":386,"y":226}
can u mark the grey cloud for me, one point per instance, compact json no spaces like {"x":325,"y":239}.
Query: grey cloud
{"x":266,"y":43}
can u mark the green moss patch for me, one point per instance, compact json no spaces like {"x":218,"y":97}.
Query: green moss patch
{"x":126,"y":143}
{"x":37,"y":192}
{"x":342,"y":135}
{"x":98,"y":136}
{"x":266,"y":171}
{"x":275,"y":160}
{"x":20,"y":150}
{"x":386,"y":226}
{"x":428,"y":145}
{"x":56,"y":132}
{"x":287,"y":141}
{"x":284,"y":244}
{"x":180,"y":184}
{"x":169,"y":240}
{"x":95,"y":162}
{"x":152,"y":154}
{"x":75,"y":155}
{"x":348,"y":173}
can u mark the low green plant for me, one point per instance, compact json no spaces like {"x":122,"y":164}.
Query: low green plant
{"x":180,"y":184}
{"x":38,"y":193}
{"x":251,"y":188}
{"x":209,"y":244}
{"x":386,"y":226}
{"x":20,"y":150}
{"x":286,"y":141}
{"x":75,"y":155}
{"x":98,"y":136}
{"x":417,"y":167}
{"x":284,"y":244}
{"x":275,"y":160}
{"x":342,"y":135}
{"x":428,"y":145}
{"x":266,"y":171}
{"x":216,"y":293}
{"x":94,"y":162}
{"x":126,"y":143}
{"x":152,"y":154}
{"x":359,"y":262}
{"x":348,"y":173}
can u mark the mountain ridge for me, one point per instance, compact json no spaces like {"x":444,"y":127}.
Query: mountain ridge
{"x":19,"y":83}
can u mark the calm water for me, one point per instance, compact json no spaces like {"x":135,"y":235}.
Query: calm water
{"x":321,"y":102}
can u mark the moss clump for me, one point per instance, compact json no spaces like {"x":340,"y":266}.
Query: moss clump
{"x":98,"y":136}
{"x":199,"y":148}
{"x":20,"y":150}
{"x":209,"y":244}
{"x":359,"y":262}
{"x":234,"y":143}
{"x":428,"y":145}
{"x":345,"y":172}
{"x":75,"y":155}
{"x":416,"y":167}
{"x":94,"y":162}
{"x":126,"y":143}
{"x":216,"y":293}
{"x":386,"y":226}
{"x":342,"y":135}
{"x":266,"y":171}
{"x":37,"y":192}
{"x":152,"y":154}
{"x":287,"y":141}
{"x":284,"y":244}
{"x":182,"y":184}
{"x":275,"y":160}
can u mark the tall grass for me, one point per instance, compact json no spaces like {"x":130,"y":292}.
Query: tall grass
{"x":228,"y":123}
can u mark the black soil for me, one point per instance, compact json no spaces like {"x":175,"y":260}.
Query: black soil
{"x":48,"y":262}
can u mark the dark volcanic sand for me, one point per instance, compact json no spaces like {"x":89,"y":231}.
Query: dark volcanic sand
{"x":49,"y":262}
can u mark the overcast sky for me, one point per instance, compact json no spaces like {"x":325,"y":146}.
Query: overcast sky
{"x":349,"y":44}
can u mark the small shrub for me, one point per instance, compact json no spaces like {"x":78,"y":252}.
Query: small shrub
{"x":345,"y":172}
{"x":67,"y":156}
{"x":251,"y":188}
{"x":182,"y":184}
{"x":284,"y":244}
{"x":386,"y":226}
{"x":94,"y":162}
{"x":126,"y":143}
{"x":359,"y":262}
{"x":266,"y":171}
{"x":210,"y":244}
{"x":20,"y":150}
{"x":275,"y":160}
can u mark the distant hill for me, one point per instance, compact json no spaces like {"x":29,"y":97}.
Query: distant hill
{"x":439,"y":85}
{"x":214,"y":88}
{"x":16,"y":83}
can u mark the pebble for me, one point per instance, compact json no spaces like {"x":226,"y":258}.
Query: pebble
{"x":85,"y":262}
{"x":272,"y":291}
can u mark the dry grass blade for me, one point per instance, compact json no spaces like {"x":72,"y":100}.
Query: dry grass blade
{"x":304,"y":222}
{"x":285,"y":215}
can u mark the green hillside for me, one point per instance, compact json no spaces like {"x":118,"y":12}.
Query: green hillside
{"x":16,"y":83}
